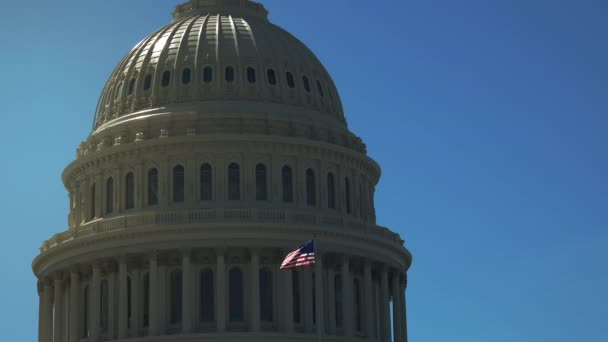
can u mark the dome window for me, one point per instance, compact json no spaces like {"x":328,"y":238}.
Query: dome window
{"x":236,"y":296}
{"x":320,"y":88}
{"x":311,"y":194}
{"x":234,"y":182}
{"x":148,"y":82}
{"x":166,"y":79}
{"x":306,"y":84}
{"x":206,"y":179}
{"x":176,"y":297}
{"x":208,"y":74}
{"x":130,"y":191}
{"x":206,"y":296}
{"x":272,"y":78}
{"x":119,"y":89}
{"x":152,"y":187}
{"x":186,"y":76}
{"x":290,"y":82}
{"x":178,"y":184}
{"x":251,"y":75}
{"x":131,"y":86}
{"x":261,"y":187}
{"x":229,"y":74}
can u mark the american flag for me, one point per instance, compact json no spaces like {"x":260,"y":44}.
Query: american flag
{"x":302,"y":257}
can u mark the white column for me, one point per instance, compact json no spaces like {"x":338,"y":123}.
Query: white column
{"x":369,"y":293}
{"x":74,"y":306}
{"x":396,"y":309}
{"x":40,"y":310}
{"x":347,"y":298}
{"x":58,"y":300}
{"x":95,"y":300}
{"x":123,"y":305}
{"x":136,"y":322}
{"x":403,"y":286}
{"x":319,"y":295}
{"x":385,"y":309}
{"x":112,"y":303}
{"x":220,"y":288}
{"x":153,"y":292}
{"x":47,"y":331}
{"x":187,"y":295}
{"x":76,"y":220}
{"x":307,"y":299}
{"x":331,"y":302}
{"x":288,"y":278}
{"x":254,"y":271}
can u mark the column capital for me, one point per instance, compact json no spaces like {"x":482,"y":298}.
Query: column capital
{"x":186,"y":252}
{"x":220,"y":251}
{"x":255,"y":251}
{"x":40,"y":287}
{"x":47,"y":281}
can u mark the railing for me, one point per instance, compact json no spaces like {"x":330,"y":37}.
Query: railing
{"x":221,"y":215}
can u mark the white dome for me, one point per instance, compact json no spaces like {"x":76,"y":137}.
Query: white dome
{"x":221,"y":50}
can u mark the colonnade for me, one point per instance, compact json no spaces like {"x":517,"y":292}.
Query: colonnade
{"x":159,"y":293}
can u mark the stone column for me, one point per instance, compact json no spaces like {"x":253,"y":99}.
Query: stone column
{"x":396,"y":309}
{"x":153,"y":320}
{"x":40,"y":310}
{"x":367,"y":301}
{"x":123,"y":305}
{"x":187,"y":295}
{"x":385,"y":309}
{"x":95,"y":300}
{"x":319,"y":295}
{"x":403,"y":286}
{"x":347,"y":297}
{"x":112,"y":303}
{"x":76,"y":206}
{"x":74,"y":306}
{"x":47,"y":312}
{"x":136,"y":321}
{"x":220,"y":288}
{"x":58,"y":299}
{"x":99,"y":189}
{"x":331,"y":302}
{"x":254,"y":271}
{"x":307,"y":299}
{"x":288,"y":276}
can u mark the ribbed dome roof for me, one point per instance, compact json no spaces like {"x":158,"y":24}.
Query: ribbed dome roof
{"x":218,"y":51}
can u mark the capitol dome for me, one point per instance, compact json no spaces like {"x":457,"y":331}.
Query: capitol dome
{"x":218,"y":146}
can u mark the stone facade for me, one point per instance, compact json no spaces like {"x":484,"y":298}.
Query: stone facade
{"x":187,"y":195}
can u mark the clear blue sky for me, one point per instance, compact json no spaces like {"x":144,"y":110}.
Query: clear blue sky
{"x":488,"y":117}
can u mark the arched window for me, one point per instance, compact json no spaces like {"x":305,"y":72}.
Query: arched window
{"x":176,"y":297}
{"x":105,"y":307}
{"x":152,"y":187}
{"x":331,"y":191}
{"x":261,"y":192}
{"x":207,"y":74}
{"x":119,"y":89}
{"x":347,"y":195}
{"x":295,"y":279}
{"x":147,"y":82}
{"x":236,"y":295}
{"x":357,"y":301}
{"x":306,"y":84}
{"x":287,"y":180}
{"x":131,"y":86}
{"x":234,"y":182}
{"x":272,"y":78}
{"x":207,"y":296}
{"x":206,"y":178}
{"x":146,"y":301}
{"x":338,"y":301}
{"x":290,"y":82}
{"x":93,"y":202}
{"x":320,"y":88}
{"x":110,"y":195}
{"x":266,"y":295}
{"x":130,"y":191}
{"x":85,"y":312}
{"x":311,"y":193}
{"x":178,"y":184}
{"x":166,"y":79}
{"x":186,"y":76}
{"x":251,"y":75}
{"x":229,"y":74}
